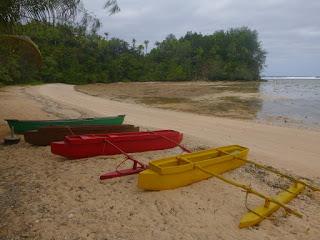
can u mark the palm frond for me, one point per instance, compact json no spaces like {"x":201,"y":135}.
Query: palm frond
{"x":113,"y":6}
{"x":13,"y":12}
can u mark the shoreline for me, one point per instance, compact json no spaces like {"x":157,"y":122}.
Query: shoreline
{"x":244,"y":101}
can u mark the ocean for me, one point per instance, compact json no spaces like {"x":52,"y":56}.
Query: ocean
{"x":292,"y":99}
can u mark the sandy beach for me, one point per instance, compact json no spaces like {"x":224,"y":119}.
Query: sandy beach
{"x":47,"y":197}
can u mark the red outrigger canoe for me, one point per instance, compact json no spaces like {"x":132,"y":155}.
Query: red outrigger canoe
{"x":83,"y":146}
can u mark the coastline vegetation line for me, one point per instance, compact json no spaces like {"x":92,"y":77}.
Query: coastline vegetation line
{"x":72,"y":54}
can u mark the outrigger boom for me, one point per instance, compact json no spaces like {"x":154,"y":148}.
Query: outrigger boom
{"x":270,"y":169}
{"x":137,"y":165}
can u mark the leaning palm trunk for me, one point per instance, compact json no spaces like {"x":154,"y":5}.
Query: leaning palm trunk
{"x":24,"y":44}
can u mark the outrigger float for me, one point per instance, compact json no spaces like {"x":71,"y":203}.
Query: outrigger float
{"x":185,"y":169}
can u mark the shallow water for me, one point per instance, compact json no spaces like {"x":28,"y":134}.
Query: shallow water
{"x":295,"y":100}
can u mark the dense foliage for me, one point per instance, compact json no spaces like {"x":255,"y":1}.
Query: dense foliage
{"x":71,"y":54}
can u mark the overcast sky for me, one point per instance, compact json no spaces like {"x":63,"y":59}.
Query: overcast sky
{"x":289,"y":29}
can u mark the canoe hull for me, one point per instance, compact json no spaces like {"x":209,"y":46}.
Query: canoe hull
{"x":21,"y":126}
{"x":46,"y":135}
{"x":75,"y":147}
{"x":186,"y":174}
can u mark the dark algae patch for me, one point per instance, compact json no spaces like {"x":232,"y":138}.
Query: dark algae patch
{"x":163,"y":100}
{"x":223,"y":99}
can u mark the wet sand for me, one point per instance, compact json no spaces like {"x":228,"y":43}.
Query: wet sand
{"x":46,"y":197}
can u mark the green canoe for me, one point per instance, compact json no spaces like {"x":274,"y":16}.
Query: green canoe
{"x":21,"y":126}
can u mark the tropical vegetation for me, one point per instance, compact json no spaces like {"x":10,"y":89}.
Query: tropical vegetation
{"x":73,"y":52}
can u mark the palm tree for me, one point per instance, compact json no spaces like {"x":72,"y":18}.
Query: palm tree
{"x":146,"y":42}
{"x":16,"y":12}
{"x":140,"y":49}
{"x":134,"y":43}
{"x":157,"y":43}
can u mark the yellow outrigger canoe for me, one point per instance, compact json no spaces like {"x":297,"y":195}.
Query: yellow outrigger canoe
{"x":185,"y":169}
